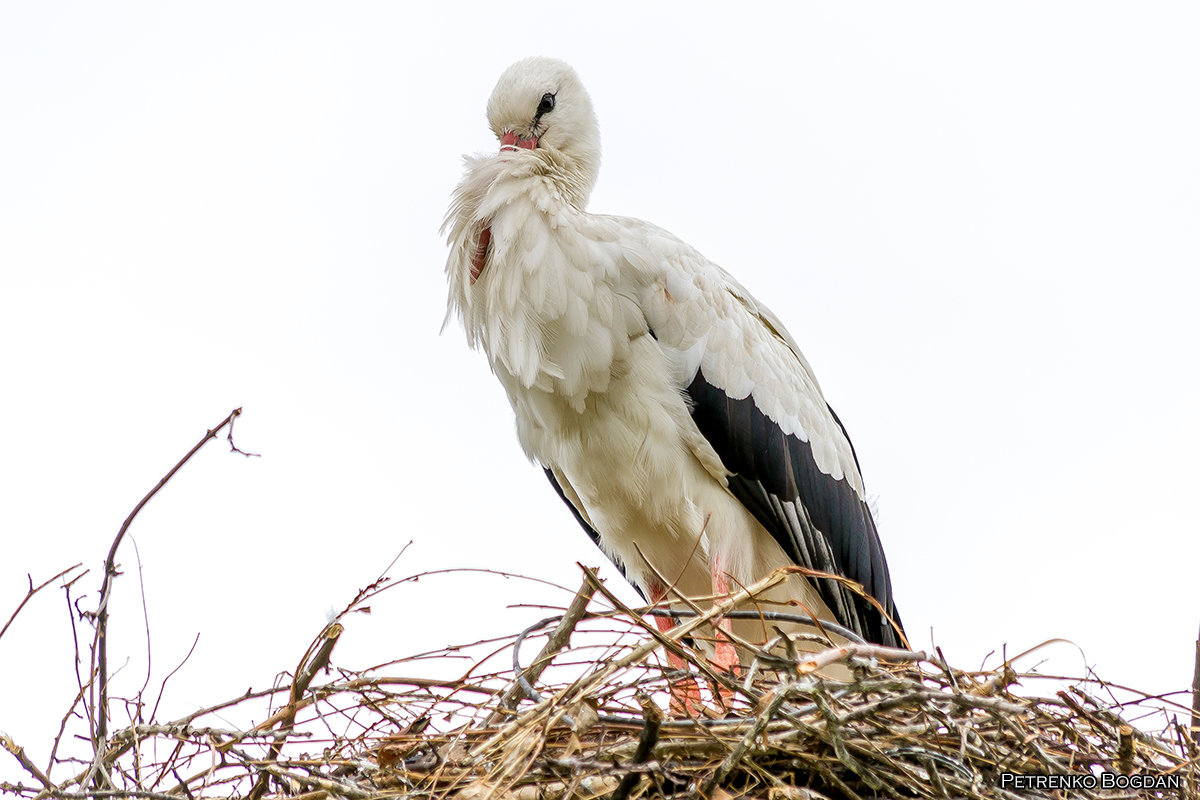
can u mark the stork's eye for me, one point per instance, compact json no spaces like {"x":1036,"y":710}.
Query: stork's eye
{"x":547,"y":104}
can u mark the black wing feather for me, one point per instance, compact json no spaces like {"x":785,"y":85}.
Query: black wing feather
{"x":820,"y":521}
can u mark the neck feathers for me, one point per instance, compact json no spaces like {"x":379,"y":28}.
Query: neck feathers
{"x":513,"y":181}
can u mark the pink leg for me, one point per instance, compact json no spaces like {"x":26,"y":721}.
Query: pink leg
{"x":726,"y":654}
{"x":725,"y":658}
{"x":685,"y":694}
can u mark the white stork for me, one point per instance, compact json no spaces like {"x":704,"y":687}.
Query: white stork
{"x":672,"y":411}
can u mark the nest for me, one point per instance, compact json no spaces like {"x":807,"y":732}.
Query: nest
{"x":600,"y":711}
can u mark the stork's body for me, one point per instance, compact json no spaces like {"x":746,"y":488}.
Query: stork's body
{"x":673,"y":412}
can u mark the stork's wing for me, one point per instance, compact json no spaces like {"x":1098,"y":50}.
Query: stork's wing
{"x":755,"y":400}
{"x":820,"y":521}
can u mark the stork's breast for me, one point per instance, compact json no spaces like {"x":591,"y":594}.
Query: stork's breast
{"x":559,"y":319}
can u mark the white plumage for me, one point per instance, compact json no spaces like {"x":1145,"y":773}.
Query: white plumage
{"x":672,"y":411}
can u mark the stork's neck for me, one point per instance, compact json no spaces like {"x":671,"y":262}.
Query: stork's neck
{"x":574,"y":174}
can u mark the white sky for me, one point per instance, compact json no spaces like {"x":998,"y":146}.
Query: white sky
{"x":981,"y":225}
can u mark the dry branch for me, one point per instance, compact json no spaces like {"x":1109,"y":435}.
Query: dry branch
{"x":1194,"y":738}
{"x":100,"y":642}
{"x":555,"y":643}
{"x":32,"y":591}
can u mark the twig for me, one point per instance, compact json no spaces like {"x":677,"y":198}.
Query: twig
{"x":843,"y":652}
{"x":559,"y":638}
{"x":335,"y":787}
{"x":309,"y":666}
{"x":117,"y":794}
{"x":71,"y":609}
{"x":100,"y":641}
{"x":233,"y":448}
{"x":19,"y":754}
{"x":139,"y":702}
{"x":1125,"y":749}
{"x":162,"y":688}
{"x":782,"y":693}
{"x":197,"y":732}
{"x":1194,"y":738}
{"x":32,"y":591}
{"x":645,"y":747}
{"x":380,"y":584}
{"x":833,"y":733}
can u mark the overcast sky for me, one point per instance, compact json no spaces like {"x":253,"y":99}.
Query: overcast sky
{"x":981,"y":225}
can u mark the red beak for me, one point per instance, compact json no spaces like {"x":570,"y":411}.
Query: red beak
{"x":510,"y":141}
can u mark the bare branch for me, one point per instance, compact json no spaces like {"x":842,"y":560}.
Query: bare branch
{"x":19,"y":754}
{"x":32,"y":591}
{"x":309,"y":666}
{"x":1194,"y":738}
{"x":233,"y":448}
{"x":100,"y":640}
{"x":163,"y":687}
{"x":559,"y":639}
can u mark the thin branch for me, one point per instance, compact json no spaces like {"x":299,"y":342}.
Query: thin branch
{"x":233,"y":448}
{"x":71,"y":613}
{"x":309,"y":666}
{"x":32,"y":591}
{"x":645,"y":747}
{"x":1194,"y":739}
{"x":163,"y":687}
{"x":19,"y":754}
{"x":558,"y":639}
{"x":146,"y":620}
{"x":100,"y":640}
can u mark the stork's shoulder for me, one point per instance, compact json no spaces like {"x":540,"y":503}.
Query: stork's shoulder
{"x":686,"y":293}
{"x":688,"y":276}
{"x":708,"y":324}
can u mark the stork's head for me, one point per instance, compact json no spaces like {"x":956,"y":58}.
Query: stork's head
{"x":539,"y":104}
